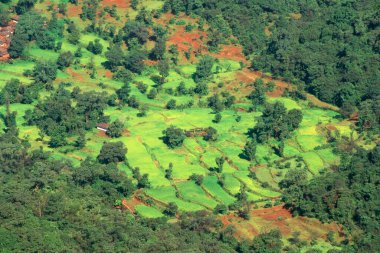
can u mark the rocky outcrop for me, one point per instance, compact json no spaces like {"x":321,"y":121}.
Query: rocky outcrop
{"x":5,"y":39}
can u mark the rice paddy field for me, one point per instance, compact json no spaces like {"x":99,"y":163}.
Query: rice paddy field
{"x":307,"y":148}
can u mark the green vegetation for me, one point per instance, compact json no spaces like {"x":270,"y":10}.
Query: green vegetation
{"x":127,"y":128}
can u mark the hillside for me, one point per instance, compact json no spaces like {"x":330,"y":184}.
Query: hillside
{"x":136,"y":107}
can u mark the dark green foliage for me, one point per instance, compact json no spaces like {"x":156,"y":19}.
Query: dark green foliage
{"x":44,"y":72}
{"x":332,"y":46}
{"x":112,"y":152}
{"x":171,"y":104}
{"x":46,"y":40}
{"x":173,"y":137}
{"x":115,"y":129}
{"x":115,"y":57}
{"x":219,"y":162}
{"x":137,"y":30}
{"x":276,"y":122}
{"x":152,"y":93}
{"x":198,"y":179}
{"x":220,"y":209}
{"x":369,"y":115}
{"x":65,"y":60}
{"x":204,"y":68}
{"x":348,"y":196}
{"x":57,"y":117}
{"x":89,"y":9}
{"x":171,"y":209}
{"x":257,"y":96}
{"x":249,"y":151}
{"x":163,"y":68}
{"x":267,"y":242}
{"x":159,"y":49}
{"x":29,"y":27}
{"x":95,"y":47}
{"x":211,"y":134}
{"x":11,"y":92}
{"x":133,"y":61}
{"x":134,"y":4}
{"x":24,"y":5}
{"x":124,"y":92}
{"x":4,"y":16}
{"x":74,"y":33}
{"x":217,"y":118}
{"x":19,"y":40}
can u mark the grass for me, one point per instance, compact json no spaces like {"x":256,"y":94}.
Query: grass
{"x":210,"y":184}
{"x":148,"y":211}
{"x":168,"y":194}
{"x":194,"y":193}
{"x":146,"y":149}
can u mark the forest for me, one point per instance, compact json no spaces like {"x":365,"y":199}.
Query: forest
{"x":189,"y":126}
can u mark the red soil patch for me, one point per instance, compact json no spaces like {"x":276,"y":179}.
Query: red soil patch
{"x":121,"y":4}
{"x":280,"y":218}
{"x":231,"y":52}
{"x":186,"y":40}
{"x":331,"y":128}
{"x":131,"y":203}
{"x":272,"y":213}
{"x":108,"y":74}
{"x":247,"y":76}
{"x":150,"y":62}
{"x":75,"y":75}
{"x":74,"y":10}
{"x":126,"y":132}
{"x":5,"y":39}
{"x":102,"y":134}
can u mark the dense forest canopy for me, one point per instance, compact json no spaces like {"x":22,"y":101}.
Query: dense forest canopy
{"x":330,"y":46}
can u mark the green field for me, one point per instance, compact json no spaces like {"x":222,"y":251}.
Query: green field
{"x":146,"y":149}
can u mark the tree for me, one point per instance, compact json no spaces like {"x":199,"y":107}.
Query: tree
{"x":4,"y":16}
{"x":134,"y":4}
{"x":220,"y":162}
{"x":115,"y":129}
{"x":80,"y":142}
{"x":135,"y":30}
{"x":268,"y":242}
{"x":198,"y":179}
{"x":217,"y":118}
{"x":173,"y":137}
{"x":204,"y":68}
{"x":74,"y":33}
{"x":220,"y":209}
{"x":115,"y":57}
{"x":257,"y":96}
{"x":143,"y":182}
{"x":44,"y":72}
{"x":249,"y":151}
{"x":171,"y":209}
{"x":112,"y":152}
{"x":95,"y":47}
{"x":124,"y":92}
{"x":171,"y":104}
{"x":169,"y":172}
{"x":211,"y":134}
{"x":159,"y":49}
{"x":152,"y":93}
{"x":163,"y":68}
{"x":17,"y":46}
{"x":24,"y":5}
{"x":133,"y":61}
{"x":65,"y":60}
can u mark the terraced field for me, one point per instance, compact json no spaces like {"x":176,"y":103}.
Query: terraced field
{"x":307,"y":148}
